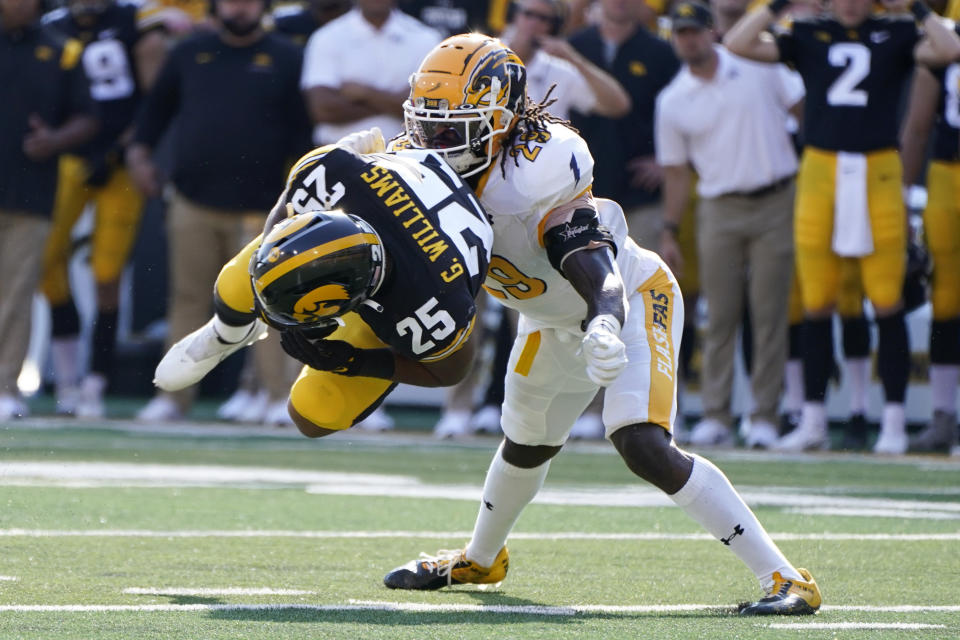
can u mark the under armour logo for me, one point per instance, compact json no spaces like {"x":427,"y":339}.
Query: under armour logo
{"x":737,"y":531}
{"x":488,"y":505}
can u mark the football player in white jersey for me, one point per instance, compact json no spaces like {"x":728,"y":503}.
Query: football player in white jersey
{"x":369,"y":265}
{"x":595,"y":310}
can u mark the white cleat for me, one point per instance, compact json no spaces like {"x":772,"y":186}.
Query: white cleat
{"x":255,"y":411}
{"x":277,"y":415}
{"x":12,"y":407}
{"x":379,"y":420}
{"x":761,"y":435}
{"x":711,"y":433}
{"x":810,"y":435}
{"x":486,"y":420}
{"x":90,"y":404}
{"x":892,"y":440}
{"x":161,"y":408}
{"x":453,"y":424}
{"x":233,"y":405}
{"x":588,"y":426}
{"x":193,"y":357}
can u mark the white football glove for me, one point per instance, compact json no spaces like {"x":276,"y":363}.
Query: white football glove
{"x":366,"y":141}
{"x":604,"y":351}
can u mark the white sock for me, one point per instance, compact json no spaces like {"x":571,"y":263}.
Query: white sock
{"x":894,"y":418}
{"x":506,"y":491}
{"x":229,"y":332}
{"x":857,"y":371}
{"x":793,"y":386}
{"x":710,"y":499}
{"x":944,"y":379}
{"x":65,"y":356}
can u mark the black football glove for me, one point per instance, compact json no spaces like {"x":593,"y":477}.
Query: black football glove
{"x":338,"y":356}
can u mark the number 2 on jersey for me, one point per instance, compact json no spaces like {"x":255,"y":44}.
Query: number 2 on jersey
{"x":856,"y":58}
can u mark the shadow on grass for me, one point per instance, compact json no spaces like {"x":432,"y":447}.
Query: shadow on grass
{"x":381,"y":613}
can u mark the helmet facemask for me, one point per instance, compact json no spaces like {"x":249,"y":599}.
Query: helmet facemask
{"x":464,"y":135}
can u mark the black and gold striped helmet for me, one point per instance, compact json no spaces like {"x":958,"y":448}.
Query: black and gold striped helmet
{"x":314,"y":267}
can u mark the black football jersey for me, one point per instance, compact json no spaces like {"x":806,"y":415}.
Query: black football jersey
{"x":435,"y":233}
{"x":108,"y":63}
{"x":854,"y":78}
{"x":947,"y":126}
{"x":296,"y":23}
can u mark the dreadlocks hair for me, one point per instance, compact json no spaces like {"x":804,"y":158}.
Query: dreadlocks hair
{"x":534,"y":119}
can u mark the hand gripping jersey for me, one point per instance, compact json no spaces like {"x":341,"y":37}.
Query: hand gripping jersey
{"x":436,"y":236}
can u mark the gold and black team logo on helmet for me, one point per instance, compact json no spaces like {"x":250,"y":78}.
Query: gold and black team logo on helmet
{"x":314,"y":267}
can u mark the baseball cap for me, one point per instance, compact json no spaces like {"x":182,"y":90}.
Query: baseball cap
{"x":689,"y":14}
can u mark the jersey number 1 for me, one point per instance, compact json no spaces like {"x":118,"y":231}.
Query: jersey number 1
{"x":856,"y":58}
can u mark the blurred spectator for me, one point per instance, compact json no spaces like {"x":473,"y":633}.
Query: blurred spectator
{"x":550,"y":60}
{"x":232,"y":97}
{"x":119,"y":40}
{"x":298,"y":22}
{"x":932,"y":91}
{"x":849,"y":205}
{"x":727,"y":119}
{"x":46,"y":110}
{"x":451,"y":17}
{"x":626,"y":169}
{"x":356,"y":69}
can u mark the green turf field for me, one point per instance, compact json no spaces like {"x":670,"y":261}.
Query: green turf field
{"x":114,"y":531}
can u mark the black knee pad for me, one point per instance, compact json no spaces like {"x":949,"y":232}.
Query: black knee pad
{"x":526,"y":456}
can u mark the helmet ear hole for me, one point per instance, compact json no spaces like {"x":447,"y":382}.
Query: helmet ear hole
{"x":314,"y":267}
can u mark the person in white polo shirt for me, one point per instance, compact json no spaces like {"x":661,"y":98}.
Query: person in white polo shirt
{"x":725,"y":118}
{"x":356,"y":69}
{"x":535,"y":34}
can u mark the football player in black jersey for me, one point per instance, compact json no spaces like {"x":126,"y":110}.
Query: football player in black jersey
{"x":935,"y":106}
{"x":121,"y":40}
{"x":369,"y":265}
{"x":849,"y":207}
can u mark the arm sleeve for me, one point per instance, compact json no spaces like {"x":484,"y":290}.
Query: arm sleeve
{"x":160,"y":104}
{"x":319,"y":62}
{"x":668,"y":140}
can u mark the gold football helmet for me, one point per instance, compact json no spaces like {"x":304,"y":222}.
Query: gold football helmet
{"x":465,"y":99}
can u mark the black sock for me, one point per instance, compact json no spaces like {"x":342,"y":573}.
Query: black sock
{"x":104,"y":343}
{"x":817,"y":358}
{"x":893,"y":356}
{"x":945,"y":342}
{"x":795,"y":341}
{"x":64,"y":320}
{"x":856,"y":337}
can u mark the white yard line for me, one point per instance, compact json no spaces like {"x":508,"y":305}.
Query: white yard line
{"x":443,"y":535}
{"x":8,"y":578}
{"x":415,"y":607}
{"x":880,"y":626}
{"x":223,"y":591}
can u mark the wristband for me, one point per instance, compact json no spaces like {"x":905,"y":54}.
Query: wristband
{"x":371,"y":363}
{"x":919,"y":10}
{"x":776,"y":6}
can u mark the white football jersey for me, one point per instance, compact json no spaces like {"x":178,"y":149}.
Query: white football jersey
{"x":550,"y":170}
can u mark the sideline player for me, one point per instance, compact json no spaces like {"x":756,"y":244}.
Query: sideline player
{"x":120,"y":40}
{"x":595,"y":309}
{"x":372,"y":282}
{"x":854,"y":65}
